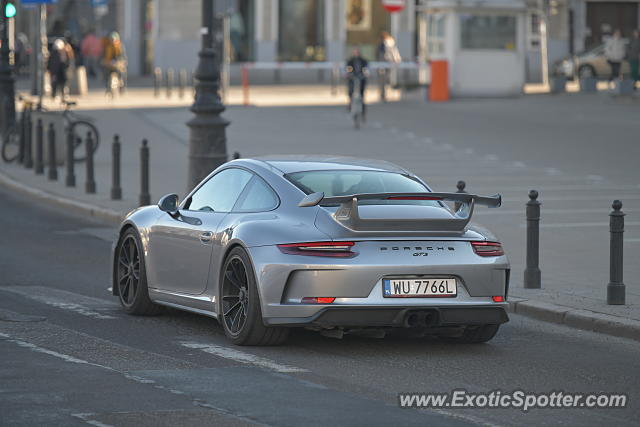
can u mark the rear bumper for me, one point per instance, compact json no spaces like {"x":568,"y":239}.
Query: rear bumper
{"x":428,"y":316}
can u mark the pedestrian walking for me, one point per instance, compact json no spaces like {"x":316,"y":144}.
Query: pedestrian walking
{"x":91,"y":49}
{"x":389,"y":53}
{"x":58,"y":65}
{"x":633,"y":55}
{"x":615,"y":51}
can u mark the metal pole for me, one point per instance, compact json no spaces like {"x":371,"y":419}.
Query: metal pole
{"x":461,"y":185}
{"x":182,"y":82}
{"x":28,"y":146}
{"x":207,"y":140}
{"x":532,"y":272}
{"x":616,"y":287}
{"x":39,"y":166}
{"x":169,"y":82}
{"x":70,"y":164}
{"x":116,"y":189}
{"x":43,"y":52}
{"x":90,"y":185}
{"x":157,"y":81}
{"x":53,"y":169}
{"x":7,"y":83}
{"x":145,"y":197}
{"x":33,"y":58}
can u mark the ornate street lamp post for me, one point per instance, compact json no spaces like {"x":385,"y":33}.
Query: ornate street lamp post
{"x":207,"y":141}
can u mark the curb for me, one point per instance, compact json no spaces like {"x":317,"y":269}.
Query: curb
{"x":577,"y":318}
{"x":546,"y":312}
{"x":108,"y":215}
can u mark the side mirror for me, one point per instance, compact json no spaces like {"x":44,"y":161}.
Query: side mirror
{"x":169,"y":203}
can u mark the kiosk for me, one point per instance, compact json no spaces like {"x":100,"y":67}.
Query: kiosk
{"x":483,"y":43}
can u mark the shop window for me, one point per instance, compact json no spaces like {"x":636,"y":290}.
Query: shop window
{"x":488,"y":32}
{"x":301,"y":30}
{"x":435,"y":35}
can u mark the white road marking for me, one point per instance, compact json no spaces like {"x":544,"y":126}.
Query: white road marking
{"x":410,"y":135}
{"x":519,"y":164}
{"x":85,"y":418}
{"x":632,"y":240}
{"x":64,"y":300}
{"x":242,"y":357}
{"x":491,"y":157}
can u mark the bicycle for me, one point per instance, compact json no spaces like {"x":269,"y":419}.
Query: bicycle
{"x":357,"y":105}
{"x":12,"y":149}
{"x":80,"y":127}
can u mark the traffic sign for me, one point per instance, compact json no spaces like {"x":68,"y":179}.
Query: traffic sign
{"x":393,"y":5}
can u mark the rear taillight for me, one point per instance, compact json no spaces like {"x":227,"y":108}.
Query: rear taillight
{"x":328,"y":249}
{"x":317,"y":300}
{"x":487,"y":248}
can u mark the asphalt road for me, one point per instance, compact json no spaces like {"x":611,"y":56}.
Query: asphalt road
{"x":71,"y":357}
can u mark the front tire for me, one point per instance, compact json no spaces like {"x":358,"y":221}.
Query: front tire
{"x":475,"y":335}
{"x":240,"y":314}
{"x":131,"y":276}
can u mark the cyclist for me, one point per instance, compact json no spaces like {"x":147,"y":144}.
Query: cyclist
{"x":114,"y":60}
{"x":357,"y":68}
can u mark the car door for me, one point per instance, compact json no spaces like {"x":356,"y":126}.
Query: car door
{"x":180,"y":245}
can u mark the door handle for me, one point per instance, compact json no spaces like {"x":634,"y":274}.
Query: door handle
{"x":206,"y":237}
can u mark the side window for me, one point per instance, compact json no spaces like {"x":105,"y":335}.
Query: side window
{"x":220,"y":193}
{"x":258,"y":197}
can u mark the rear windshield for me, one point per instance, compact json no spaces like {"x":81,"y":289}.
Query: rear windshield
{"x":346,"y":182}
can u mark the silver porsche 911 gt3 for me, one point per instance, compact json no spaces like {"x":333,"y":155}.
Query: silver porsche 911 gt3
{"x":332,"y":244}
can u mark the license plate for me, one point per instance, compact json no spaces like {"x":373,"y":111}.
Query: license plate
{"x":407,"y":288}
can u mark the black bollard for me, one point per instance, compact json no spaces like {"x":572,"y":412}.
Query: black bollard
{"x":616,"y":288}
{"x":21,"y":139}
{"x":169,"y":82}
{"x":461,"y":185}
{"x":532,"y":272}
{"x":145,"y":197}
{"x":182,"y":82}
{"x":236,"y":155}
{"x":53,"y":168}
{"x":157,"y":81}
{"x":39,"y":166}
{"x":90,"y":184}
{"x":69,"y":161}
{"x":28,"y":143}
{"x":116,"y":189}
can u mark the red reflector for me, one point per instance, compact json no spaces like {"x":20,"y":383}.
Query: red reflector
{"x":413,"y":198}
{"x":498,"y":298}
{"x":487,"y":249}
{"x":318,"y":300}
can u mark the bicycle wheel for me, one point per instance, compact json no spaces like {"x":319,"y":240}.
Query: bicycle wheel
{"x":80,"y":129}
{"x":11,"y":144}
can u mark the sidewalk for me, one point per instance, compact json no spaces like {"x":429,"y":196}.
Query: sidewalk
{"x":575,"y":270}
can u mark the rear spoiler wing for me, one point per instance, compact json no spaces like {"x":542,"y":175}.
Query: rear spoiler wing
{"x":348,"y":215}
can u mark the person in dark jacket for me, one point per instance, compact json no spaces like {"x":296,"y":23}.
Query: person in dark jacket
{"x":357,"y":68}
{"x":59,"y":61}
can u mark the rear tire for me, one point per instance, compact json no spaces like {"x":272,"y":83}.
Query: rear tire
{"x":11,"y":145}
{"x":474,"y":335}
{"x":240,"y":312}
{"x":131,"y":276}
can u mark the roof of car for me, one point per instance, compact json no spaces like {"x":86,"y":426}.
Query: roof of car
{"x":299,"y":163}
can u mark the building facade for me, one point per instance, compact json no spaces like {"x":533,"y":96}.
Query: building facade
{"x":166,"y":33}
